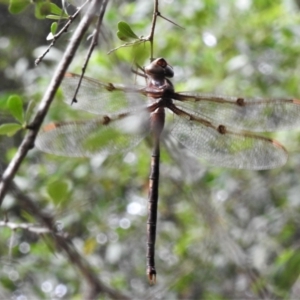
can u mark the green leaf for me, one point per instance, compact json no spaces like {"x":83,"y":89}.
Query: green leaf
{"x":288,"y":267}
{"x":58,"y":191}
{"x":15,"y":106}
{"x":27,"y":216}
{"x":42,"y":9}
{"x":46,"y":9}
{"x":55,"y":10}
{"x":125,"y":32}
{"x":49,"y":10}
{"x":17,"y":6}
{"x":9,"y":129}
{"x":29,"y":110}
{"x":53,"y":27}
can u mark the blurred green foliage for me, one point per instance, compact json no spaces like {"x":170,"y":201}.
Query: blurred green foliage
{"x":222,"y":233}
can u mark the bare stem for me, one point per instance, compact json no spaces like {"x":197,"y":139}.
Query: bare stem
{"x":63,"y":243}
{"x":57,"y":35}
{"x":151,"y":36}
{"x":94,"y":43}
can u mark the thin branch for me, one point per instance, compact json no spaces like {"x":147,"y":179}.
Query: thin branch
{"x":156,"y":14}
{"x":160,"y":15}
{"x":94,"y":43}
{"x":28,"y":141}
{"x":57,"y":35}
{"x":64,"y":243}
{"x":150,"y":37}
{"x":25,"y":226}
{"x":129,"y":44}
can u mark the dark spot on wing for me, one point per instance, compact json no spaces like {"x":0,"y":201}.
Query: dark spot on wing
{"x":110,"y":87}
{"x":106,"y":120}
{"x":240,"y":101}
{"x":222,"y":129}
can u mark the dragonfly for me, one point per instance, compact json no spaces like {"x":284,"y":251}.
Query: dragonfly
{"x":220,"y":129}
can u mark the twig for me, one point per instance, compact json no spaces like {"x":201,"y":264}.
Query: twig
{"x":27,"y":226}
{"x":129,"y":44}
{"x":159,"y":14}
{"x":93,"y":44}
{"x":28,"y":141}
{"x":63,"y":242}
{"x":150,"y":37}
{"x":156,"y":14}
{"x":57,"y":35}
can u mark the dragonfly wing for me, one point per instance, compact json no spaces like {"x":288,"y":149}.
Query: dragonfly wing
{"x":244,"y":113}
{"x":223,"y":147}
{"x":88,"y":138}
{"x":101,"y":98}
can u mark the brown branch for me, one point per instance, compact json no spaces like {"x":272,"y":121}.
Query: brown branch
{"x":63,"y":242}
{"x":156,"y":14}
{"x":28,"y":141}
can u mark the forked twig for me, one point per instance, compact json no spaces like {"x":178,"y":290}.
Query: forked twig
{"x":150,"y":37}
{"x":57,"y":35}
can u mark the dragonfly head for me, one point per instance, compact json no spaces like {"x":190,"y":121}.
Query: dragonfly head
{"x":159,"y":69}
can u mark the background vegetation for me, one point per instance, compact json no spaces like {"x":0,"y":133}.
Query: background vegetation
{"x":222,"y":233}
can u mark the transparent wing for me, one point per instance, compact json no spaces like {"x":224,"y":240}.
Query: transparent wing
{"x":88,"y":138}
{"x":226,"y":148}
{"x":102,"y":98}
{"x":243,"y":113}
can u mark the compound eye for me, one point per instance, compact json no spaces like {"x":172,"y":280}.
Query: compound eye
{"x":159,"y":68}
{"x":168,"y":70}
{"x":162,"y":63}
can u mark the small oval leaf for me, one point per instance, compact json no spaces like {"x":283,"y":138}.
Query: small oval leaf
{"x":55,"y":10}
{"x":58,"y":191}
{"x":30,"y":110}
{"x":9,"y":129}
{"x":42,"y":9}
{"x":125,"y":32}
{"x":17,"y":6}
{"x":53,"y":27}
{"x":53,"y":30}
{"x":15,"y":106}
